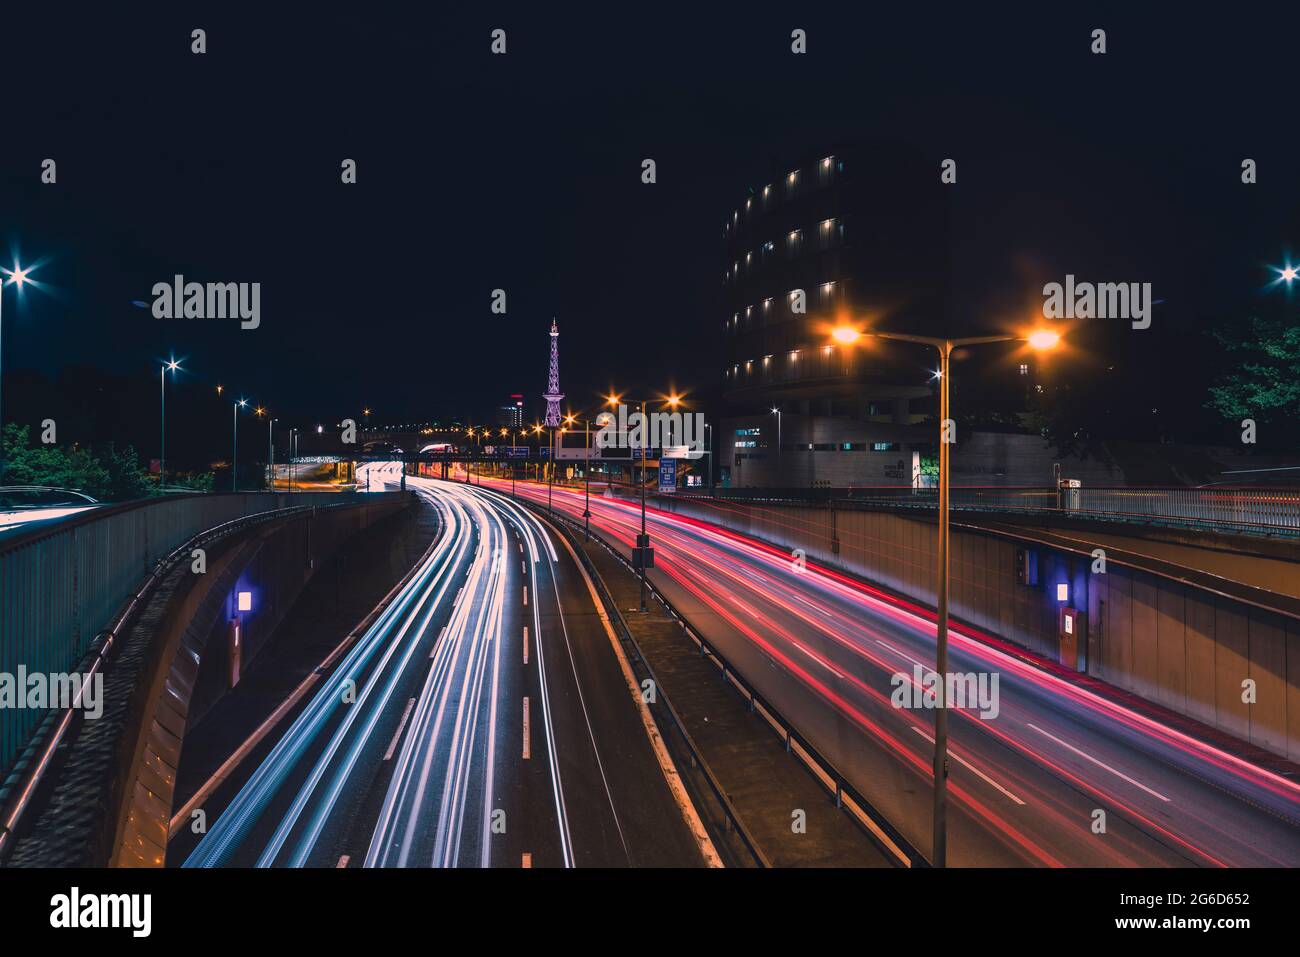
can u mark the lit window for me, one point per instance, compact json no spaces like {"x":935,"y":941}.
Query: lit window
{"x":1024,"y":368}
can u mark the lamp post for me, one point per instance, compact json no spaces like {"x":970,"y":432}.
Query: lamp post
{"x":1042,"y":340}
{"x":171,"y":365}
{"x":270,"y":451}
{"x":234,"y":451}
{"x":708,"y":450}
{"x":586,"y":476}
{"x":777,"y":412}
{"x":643,"y":540}
{"x":17,"y":276}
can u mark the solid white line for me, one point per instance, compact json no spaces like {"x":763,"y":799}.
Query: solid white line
{"x":525,"y":644}
{"x":397,"y":735}
{"x":1099,"y":764}
{"x":962,"y":761}
{"x":527,"y":748}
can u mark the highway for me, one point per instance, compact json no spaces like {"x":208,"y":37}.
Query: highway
{"x":1059,"y":777}
{"x":482,"y":720}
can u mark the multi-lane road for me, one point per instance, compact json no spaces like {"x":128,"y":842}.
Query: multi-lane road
{"x":484,"y":719}
{"x":1058,"y":777}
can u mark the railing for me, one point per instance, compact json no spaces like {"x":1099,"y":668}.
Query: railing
{"x":1252,"y":511}
{"x":61,"y":583}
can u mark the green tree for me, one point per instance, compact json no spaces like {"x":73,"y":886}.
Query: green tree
{"x":1264,"y":381}
{"x":113,"y":476}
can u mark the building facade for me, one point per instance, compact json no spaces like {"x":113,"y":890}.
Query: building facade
{"x":855,"y":237}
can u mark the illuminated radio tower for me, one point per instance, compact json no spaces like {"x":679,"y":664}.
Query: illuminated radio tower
{"x":553,"y":394}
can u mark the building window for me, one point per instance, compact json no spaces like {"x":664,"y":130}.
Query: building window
{"x":792,"y":185}
{"x":1024,"y":368}
{"x":794,"y":243}
{"x":827,"y":292}
{"x":884,"y":446}
{"x":767,"y":197}
{"x":826,"y":170}
{"x":828,"y":234}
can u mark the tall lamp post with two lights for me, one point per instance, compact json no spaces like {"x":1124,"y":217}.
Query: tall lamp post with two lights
{"x":1042,"y":339}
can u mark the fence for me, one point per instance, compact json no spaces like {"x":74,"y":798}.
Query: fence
{"x":61,"y":583}
{"x":1251,"y":511}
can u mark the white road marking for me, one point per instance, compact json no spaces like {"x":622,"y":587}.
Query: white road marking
{"x":525,"y":596}
{"x":527,"y":747}
{"x":966,"y":764}
{"x":525,"y":644}
{"x":903,"y":654}
{"x":528,"y":860}
{"x":343,"y":861}
{"x":397,"y":735}
{"x":1100,"y":764}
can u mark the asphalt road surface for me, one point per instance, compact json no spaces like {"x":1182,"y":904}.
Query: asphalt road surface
{"x":1058,"y":777}
{"x":483,"y":720}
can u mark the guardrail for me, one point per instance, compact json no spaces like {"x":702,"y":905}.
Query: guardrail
{"x":60,"y":584}
{"x":1241,"y":510}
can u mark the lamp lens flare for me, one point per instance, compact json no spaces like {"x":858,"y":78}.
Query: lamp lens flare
{"x":1044,"y":339}
{"x":845,"y":334}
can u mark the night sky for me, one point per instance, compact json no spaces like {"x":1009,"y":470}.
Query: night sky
{"x":523,"y":172}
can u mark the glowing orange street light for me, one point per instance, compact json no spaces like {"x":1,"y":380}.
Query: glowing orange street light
{"x":1040,"y":339}
{"x":1043,"y":339}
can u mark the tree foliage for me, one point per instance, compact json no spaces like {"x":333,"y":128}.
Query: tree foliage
{"x":108,"y":475}
{"x":1264,"y":380}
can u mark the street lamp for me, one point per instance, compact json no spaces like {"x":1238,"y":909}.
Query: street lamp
{"x":777,"y":412}
{"x":234,"y":451}
{"x":17,"y":276}
{"x":586,"y":475}
{"x":170,"y":366}
{"x":270,"y":452}
{"x":1040,"y":339}
{"x":643,"y":540}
